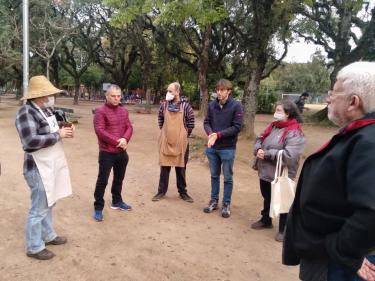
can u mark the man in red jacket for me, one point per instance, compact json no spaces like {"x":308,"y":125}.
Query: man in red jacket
{"x":114,"y":130}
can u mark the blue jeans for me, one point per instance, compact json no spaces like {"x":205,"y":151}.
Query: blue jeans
{"x":338,"y":273}
{"x":218,"y":158}
{"x":39,"y":227}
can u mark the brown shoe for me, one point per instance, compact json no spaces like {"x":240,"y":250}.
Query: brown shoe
{"x":42,"y":255}
{"x":261,"y":225}
{"x":59,"y":240}
{"x":279,"y":237}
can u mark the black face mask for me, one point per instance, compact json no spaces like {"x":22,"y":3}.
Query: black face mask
{"x":173,"y":107}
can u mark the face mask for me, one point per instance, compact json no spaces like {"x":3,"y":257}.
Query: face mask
{"x":50,"y":102}
{"x":279,"y":116}
{"x":169,"y":96}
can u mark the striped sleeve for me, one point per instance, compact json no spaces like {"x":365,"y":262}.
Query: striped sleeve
{"x":161,"y":115}
{"x":189,"y":118}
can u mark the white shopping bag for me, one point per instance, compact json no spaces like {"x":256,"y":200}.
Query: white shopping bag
{"x":282,"y":189}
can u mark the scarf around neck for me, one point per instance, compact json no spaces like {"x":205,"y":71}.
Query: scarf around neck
{"x":289,"y":125}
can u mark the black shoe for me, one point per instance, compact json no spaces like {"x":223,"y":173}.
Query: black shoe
{"x":42,"y":255}
{"x":158,"y":196}
{"x":225,"y":211}
{"x":261,"y":225}
{"x":186,"y":197}
{"x":211,"y":206}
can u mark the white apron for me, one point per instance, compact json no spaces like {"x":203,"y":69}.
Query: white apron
{"x":52,"y":166}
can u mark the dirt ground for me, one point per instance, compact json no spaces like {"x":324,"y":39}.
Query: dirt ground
{"x":166,"y":240}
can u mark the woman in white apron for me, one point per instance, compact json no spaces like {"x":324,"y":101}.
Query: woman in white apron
{"x":45,"y":168}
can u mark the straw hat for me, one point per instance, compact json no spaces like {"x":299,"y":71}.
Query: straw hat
{"x":40,"y":86}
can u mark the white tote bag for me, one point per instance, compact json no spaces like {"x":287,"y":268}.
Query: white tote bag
{"x":283,"y":189}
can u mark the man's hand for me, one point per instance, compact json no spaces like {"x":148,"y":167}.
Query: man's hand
{"x":260,"y":153}
{"x":73,"y":130}
{"x":66,"y":132}
{"x":211,"y":140}
{"x":367,"y":270}
{"x":122,"y":143}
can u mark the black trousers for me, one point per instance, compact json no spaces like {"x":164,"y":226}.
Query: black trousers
{"x":180,"y":176}
{"x":107,"y":161}
{"x":265,"y":189}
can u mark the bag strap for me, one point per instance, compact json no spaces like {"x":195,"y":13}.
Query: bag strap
{"x":279,"y":164}
{"x":280,"y":170}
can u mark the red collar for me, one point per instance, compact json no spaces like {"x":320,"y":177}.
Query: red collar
{"x":357,"y":124}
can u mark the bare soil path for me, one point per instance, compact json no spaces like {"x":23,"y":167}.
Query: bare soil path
{"x":166,"y":240}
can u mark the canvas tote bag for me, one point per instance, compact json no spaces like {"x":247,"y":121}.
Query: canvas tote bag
{"x":282,"y":189}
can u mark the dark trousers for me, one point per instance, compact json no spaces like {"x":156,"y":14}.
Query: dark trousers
{"x":180,"y":176}
{"x":265,"y":189}
{"x":107,"y":161}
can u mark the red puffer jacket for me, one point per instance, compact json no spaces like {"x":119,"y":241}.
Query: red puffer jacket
{"x":112,"y":123}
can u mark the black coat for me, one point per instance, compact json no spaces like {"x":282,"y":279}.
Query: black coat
{"x":333,"y":214}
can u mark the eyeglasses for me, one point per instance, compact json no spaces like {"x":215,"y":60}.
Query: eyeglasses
{"x":335,"y":93}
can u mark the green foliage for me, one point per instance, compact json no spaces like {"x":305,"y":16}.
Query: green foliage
{"x":266,"y":102}
{"x":66,"y":80}
{"x":94,"y":77}
{"x":202,"y":12}
{"x":345,"y":29}
{"x":312,"y":77}
{"x":172,"y":11}
{"x":10,"y":44}
{"x":191,"y":91}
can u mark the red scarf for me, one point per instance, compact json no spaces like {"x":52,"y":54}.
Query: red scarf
{"x":356,"y":124}
{"x":289,"y":125}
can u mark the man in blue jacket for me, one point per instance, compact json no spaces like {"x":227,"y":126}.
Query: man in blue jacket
{"x":222,"y":124}
{"x":330,"y":230}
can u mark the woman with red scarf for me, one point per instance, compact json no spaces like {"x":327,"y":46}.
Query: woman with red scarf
{"x":285,"y":134}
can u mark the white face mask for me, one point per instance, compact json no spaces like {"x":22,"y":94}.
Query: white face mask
{"x":279,"y":116}
{"x":50,"y":102}
{"x":169,"y":96}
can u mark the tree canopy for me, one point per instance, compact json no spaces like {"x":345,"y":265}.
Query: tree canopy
{"x":147,"y":44}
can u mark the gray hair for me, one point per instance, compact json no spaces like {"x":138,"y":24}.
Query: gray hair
{"x":359,"y":78}
{"x":112,"y":87}
{"x":177,"y":86}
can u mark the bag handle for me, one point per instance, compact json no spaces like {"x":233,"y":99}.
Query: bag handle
{"x":279,"y":166}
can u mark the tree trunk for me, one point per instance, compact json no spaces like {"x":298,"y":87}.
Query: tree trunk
{"x":77,"y":83}
{"x":47,"y":70}
{"x":203,"y":65}
{"x":249,"y":102}
{"x":148,"y":101}
{"x":146,"y":77}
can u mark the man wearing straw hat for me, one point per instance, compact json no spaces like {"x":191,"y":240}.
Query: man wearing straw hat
{"x":45,"y":168}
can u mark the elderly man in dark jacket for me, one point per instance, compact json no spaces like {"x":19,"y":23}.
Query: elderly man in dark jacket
{"x":331,"y":226}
